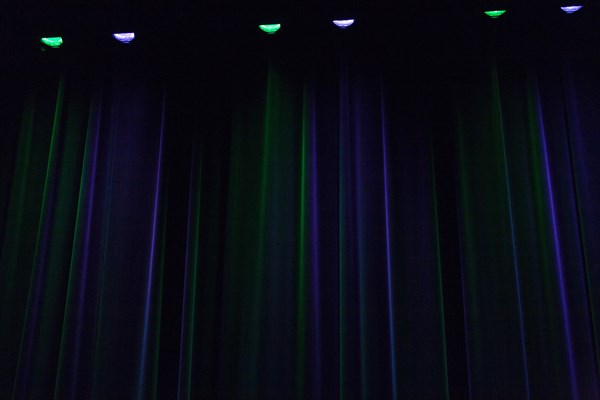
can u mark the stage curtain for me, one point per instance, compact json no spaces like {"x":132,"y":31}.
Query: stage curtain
{"x":334,"y":228}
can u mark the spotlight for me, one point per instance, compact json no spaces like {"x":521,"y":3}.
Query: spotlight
{"x":571,"y":9}
{"x":343,"y":23}
{"x":494,"y":13}
{"x":270,"y":28}
{"x":53,"y":42}
{"x":125,"y":37}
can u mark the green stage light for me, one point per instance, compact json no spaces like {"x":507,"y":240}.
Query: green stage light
{"x":270,"y":28}
{"x":494,"y":13}
{"x":54,"y":42}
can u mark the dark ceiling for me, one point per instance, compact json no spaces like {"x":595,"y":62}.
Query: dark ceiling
{"x":446,"y":31}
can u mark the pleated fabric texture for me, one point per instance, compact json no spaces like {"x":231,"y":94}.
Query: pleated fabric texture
{"x":343,"y":231}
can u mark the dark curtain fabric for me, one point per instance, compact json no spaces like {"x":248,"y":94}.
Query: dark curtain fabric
{"x":338,"y":218}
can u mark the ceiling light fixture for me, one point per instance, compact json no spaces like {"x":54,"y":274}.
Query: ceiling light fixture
{"x":125,"y":37}
{"x":53,"y":42}
{"x":494,"y":13}
{"x":343,"y":23}
{"x":270,"y":28}
{"x":571,"y":9}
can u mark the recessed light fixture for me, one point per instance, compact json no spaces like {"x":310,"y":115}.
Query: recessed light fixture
{"x":125,"y":37}
{"x":53,"y":42}
{"x":494,"y":13}
{"x":571,"y":9}
{"x":270,"y":28}
{"x":343,"y":23}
